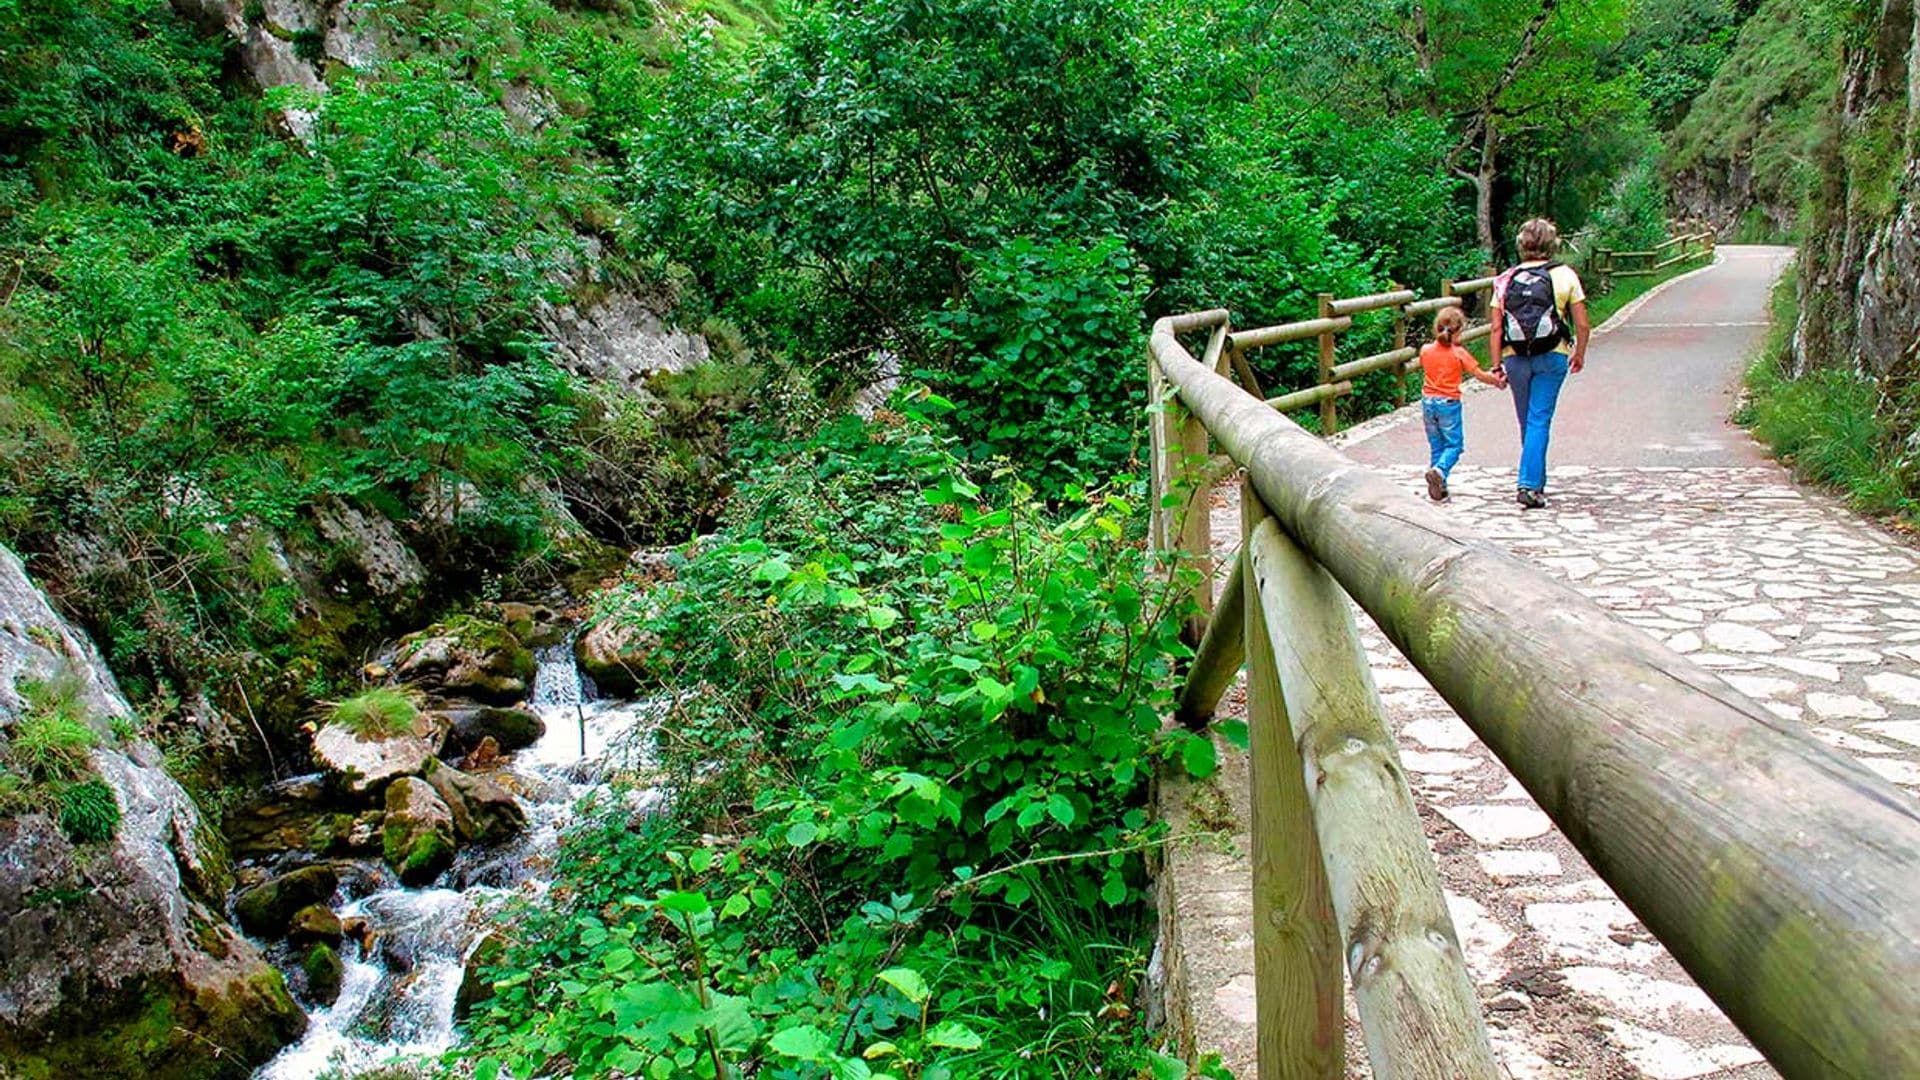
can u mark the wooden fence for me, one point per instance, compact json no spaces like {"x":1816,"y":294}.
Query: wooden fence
{"x":1335,"y":317}
{"x":1782,"y":874}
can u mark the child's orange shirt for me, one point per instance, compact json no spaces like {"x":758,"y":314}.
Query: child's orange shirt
{"x":1444,"y":366}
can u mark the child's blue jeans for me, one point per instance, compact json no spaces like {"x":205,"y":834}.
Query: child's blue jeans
{"x":1446,"y":434}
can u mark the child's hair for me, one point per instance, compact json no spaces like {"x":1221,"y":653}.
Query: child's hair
{"x":1448,"y":324}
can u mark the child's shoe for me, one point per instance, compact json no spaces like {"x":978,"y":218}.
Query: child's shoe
{"x":1436,"y":486}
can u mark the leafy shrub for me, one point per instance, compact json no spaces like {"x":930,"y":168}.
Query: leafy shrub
{"x":88,"y":812}
{"x":1634,"y":217}
{"x":380,"y":713}
{"x":922,"y":739}
{"x":1042,"y":357}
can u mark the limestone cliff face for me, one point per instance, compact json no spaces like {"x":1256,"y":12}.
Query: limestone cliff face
{"x":114,"y":960}
{"x":1860,"y":275}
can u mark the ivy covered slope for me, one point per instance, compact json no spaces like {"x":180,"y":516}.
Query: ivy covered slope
{"x":1744,"y":157}
{"x":906,"y":776}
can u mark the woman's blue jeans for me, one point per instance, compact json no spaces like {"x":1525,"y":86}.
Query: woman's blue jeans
{"x":1446,"y":436}
{"x":1535,"y":382}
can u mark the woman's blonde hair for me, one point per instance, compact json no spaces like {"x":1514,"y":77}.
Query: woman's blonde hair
{"x":1448,"y":324}
{"x":1538,"y":239}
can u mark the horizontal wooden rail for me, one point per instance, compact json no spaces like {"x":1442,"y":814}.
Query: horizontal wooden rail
{"x":1377,"y":362}
{"x":1285,"y":332}
{"x":1783,"y":875}
{"x":1358,"y":304}
{"x":1473,"y":285}
{"x":1217,"y":661}
{"x":1428,"y":307}
{"x":1312,"y":395}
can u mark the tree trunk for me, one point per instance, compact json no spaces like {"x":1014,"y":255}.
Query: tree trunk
{"x":1483,"y":180}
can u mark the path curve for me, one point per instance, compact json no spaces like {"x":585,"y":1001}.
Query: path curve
{"x":1676,"y":521}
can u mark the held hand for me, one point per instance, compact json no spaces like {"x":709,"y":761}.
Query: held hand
{"x":1500,"y":378}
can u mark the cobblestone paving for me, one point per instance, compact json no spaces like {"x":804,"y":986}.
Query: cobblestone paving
{"x":1784,"y":594}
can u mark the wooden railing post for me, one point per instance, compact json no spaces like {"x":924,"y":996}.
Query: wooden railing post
{"x":1179,"y":518}
{"x":1329,"y":415}
{"x":1416,"y":1001}
{"x":1299,"y":1004}
{"x":1400,"y":325}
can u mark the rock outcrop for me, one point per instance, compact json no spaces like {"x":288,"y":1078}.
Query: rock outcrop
{"x":113,"y":959}
{"x":614,"y":653}
{"x":1859,"y":289}
{"x":510,"y":729}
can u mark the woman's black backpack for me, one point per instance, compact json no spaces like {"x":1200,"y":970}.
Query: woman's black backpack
{"x":1534,"y":324}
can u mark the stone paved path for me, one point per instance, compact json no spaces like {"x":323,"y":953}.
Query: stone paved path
{"x":1783,"y":592}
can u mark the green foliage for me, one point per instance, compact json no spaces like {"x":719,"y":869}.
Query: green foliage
{"x":1825,"y":423}
{"x":1038,"y":350}
{"x":1767,"y":107}
{"x":379,"y":713}
{"x":1634,"y":217}
{"x":920,"y":762}
{"x":88,"y":812}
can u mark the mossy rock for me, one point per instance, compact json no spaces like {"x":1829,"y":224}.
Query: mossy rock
{"x":267,"y":909}
{"x":510,"y":729}
{"x":475,"y":988}
{"x":467,"y":656}
{"x":315,"y":923}
{"x":417,"y":837}
{"x":324,"y":971}
{"x":162,"y":1030}
{"x":483,"y":811}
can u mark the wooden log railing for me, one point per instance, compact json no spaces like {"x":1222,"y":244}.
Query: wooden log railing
{"x":1783,"y":875}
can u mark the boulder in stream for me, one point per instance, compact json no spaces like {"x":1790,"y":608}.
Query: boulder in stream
{"x":267,"y":909}
{"x":418,"y":834}
{"x":324,"y":971}
{"x":614,"y":653}
{"x":361,"y":762}
{"x":467,"y":656}
{"x":510,"y":729}
{"x":315,"y":922}
{"x":483,"y":811}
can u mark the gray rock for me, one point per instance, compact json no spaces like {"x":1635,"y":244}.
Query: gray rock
{"x":618,"y":339}
{"x":614,"y":654}
{"x":362,"y":765}
{"x":483,"y":811}
{"x":94,"y":938}
{"x":390,"y":566}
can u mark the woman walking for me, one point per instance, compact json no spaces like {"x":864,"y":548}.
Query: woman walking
{"x":1539,"y":337}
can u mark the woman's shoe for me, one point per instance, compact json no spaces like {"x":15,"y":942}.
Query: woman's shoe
{"x":1529,"y":499}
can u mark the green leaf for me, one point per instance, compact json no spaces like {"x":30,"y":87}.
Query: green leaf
{"x":808,"y":1043}
{"x":908,"y":982}
{"x":736,"y":906}
{"x":732,"y":1022}
{"x":1164,"y":1067}
{"x":953,"y":1035}
{"x":618,"y":960}
{"x":1060,"y":808}
{"x":686,"y":903}
{"x":1234,"y":731}
{"x":1113,"y":890}
{"x":985,"y":631}
{"x":487,"y":1068}
{"x":1197,"y":754}
{"x":802,"y":833}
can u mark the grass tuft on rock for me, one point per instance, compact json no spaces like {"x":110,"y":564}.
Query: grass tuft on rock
{"x":380,"y":713}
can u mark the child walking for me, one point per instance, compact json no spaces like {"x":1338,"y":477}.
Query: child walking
{"x":1444,"y":361}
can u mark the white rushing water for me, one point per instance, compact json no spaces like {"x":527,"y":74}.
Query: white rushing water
{"x":397,"y":999}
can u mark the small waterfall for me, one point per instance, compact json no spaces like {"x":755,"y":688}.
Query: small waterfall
{"x":397,"y":999}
